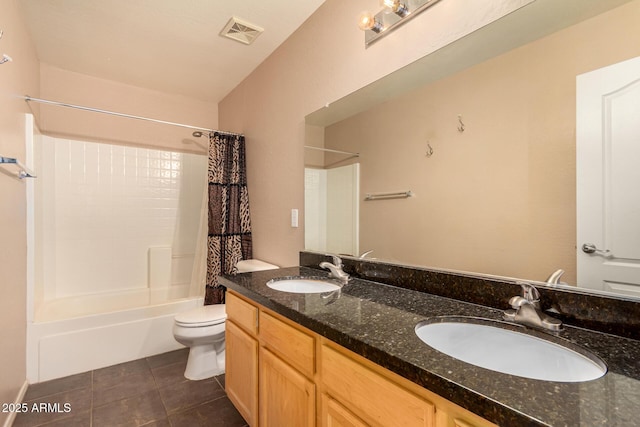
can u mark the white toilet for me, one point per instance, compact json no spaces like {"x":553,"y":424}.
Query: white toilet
{"x":202,"y":330}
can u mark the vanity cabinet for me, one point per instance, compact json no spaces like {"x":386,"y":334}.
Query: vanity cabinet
{"x":280,"y":361}
{"x":241,"y":357}
{"x":281,"y":374}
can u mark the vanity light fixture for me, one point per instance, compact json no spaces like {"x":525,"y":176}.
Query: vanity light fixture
{"x":383,"y":22}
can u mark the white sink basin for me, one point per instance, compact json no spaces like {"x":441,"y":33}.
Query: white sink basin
{"x":510,"y":352}
{"x":303,"y":285}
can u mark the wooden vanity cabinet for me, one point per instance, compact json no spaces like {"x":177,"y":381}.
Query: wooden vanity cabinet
{"x":280,"y":359}
{"x":279,"y":374}
{"x":241,"y":357}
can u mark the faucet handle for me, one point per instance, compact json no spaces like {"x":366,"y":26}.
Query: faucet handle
{"x":517,"y":302}
{"x":337,"y":261}
{"x":530,"y":293}
{"x":364,"y":254}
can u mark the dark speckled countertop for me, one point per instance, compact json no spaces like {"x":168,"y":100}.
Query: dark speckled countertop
{"x":377,"y":321}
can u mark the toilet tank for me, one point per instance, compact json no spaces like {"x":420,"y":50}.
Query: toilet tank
{"x":250,"y":265}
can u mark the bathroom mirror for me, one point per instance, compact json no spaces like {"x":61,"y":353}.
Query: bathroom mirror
{"x":485,"y":141}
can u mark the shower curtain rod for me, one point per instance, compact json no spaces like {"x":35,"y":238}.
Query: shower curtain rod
{"x":332,"y":151}
{"x":28,"y":98}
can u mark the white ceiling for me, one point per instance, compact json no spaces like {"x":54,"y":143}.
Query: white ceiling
{"x":166,"y":45}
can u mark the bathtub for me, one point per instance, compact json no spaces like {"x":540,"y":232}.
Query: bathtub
{"x":73,"y":335}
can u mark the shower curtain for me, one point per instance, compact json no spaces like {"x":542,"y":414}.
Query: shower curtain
{"x":199,"y":270}
{"x":229,"y":237}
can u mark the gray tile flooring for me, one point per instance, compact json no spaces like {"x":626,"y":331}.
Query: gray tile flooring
{"x":144,"y":392}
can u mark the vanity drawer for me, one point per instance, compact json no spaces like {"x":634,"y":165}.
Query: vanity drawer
{"x":242,"y":313}
{"x":289,"y":343}
{"x":372,"y":397}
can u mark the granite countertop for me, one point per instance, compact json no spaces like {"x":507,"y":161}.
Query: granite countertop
{"x":377,"y":321}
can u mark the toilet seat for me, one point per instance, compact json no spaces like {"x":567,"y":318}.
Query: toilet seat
{"x":200,"y":317}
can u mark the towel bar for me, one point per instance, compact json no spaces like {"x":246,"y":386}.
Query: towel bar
{"x":24,"y":172}
{"x":398,"y":195}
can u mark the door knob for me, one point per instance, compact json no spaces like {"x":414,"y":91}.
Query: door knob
{"x":590,"y":248}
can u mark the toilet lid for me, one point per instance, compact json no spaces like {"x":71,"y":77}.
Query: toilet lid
{"x":207,"y":315}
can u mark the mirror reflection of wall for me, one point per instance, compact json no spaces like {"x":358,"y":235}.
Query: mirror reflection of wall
{"x":500,"y":197}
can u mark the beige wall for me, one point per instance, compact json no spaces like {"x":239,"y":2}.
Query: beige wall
{"x":499,"y":198}
{"x":79,"y":89}
{"x":322,"y":61}
{"x":16,"y":78}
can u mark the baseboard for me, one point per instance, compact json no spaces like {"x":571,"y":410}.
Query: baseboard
{"x":12,"y":415}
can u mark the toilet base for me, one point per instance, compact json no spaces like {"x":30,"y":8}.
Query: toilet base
{"x":204,"y":362}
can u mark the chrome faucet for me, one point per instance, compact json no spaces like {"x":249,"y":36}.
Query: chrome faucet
{"x":554,"y":278}
{"x":526,"y":310}
{"x":336,"y":269}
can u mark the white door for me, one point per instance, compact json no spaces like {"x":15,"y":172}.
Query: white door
{"x":608,"y":178}
{"x":343,"y":190}
{"x":331,"y":209}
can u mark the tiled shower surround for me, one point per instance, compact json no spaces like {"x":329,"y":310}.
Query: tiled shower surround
{"x":100,"y":208}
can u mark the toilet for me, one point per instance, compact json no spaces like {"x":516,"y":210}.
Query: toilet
{"x":202,"y":330}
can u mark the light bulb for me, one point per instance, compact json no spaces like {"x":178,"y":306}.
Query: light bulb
{"x":367,"y":21}
{"x":396,"y":6}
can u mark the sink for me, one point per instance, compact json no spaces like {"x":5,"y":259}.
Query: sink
{"x":304,"y":285}
{"x":486,"y":344}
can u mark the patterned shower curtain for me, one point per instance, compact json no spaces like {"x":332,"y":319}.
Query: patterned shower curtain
{"x":229,"y":239}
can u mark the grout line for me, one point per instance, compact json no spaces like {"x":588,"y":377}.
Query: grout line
{"x":91,"y":405}
{"x":220,"y":384}
{"x":164,"y":406}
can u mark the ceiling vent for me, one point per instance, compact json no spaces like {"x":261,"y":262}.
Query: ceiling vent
{"x":241,"y":31}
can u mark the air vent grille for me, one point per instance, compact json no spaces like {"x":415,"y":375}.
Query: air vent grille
{"x":241,"y":31}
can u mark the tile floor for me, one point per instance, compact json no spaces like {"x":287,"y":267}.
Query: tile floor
{"x":144,"y":392}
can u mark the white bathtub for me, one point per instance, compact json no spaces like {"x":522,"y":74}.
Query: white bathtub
{"x":70,"y":337}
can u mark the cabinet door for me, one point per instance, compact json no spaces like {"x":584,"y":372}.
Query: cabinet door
{"x":287,"y":398}
{"x":241,"y":377}
{"x":333,"y":414}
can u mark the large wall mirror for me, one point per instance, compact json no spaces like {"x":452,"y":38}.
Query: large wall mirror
{"x":483,"y":134}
